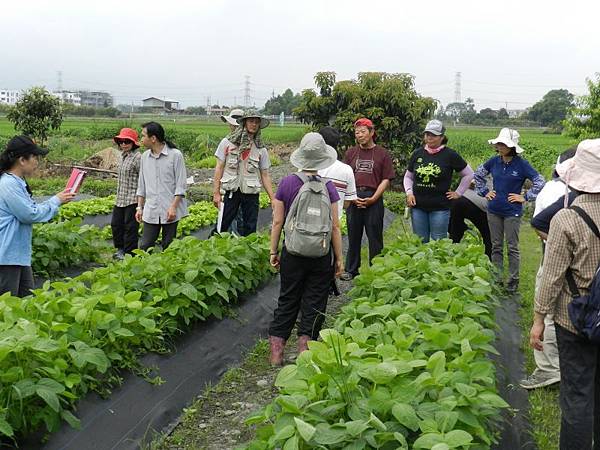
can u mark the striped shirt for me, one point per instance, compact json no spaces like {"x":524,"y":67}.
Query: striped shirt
{"x":342,"y":177}
{"x":129,"y":170}
{"x":571,"y":244}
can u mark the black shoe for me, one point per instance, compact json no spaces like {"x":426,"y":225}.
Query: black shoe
{"x":347,"y":276}
{"x":119,"y":255}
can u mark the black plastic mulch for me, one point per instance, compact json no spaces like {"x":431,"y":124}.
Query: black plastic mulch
{"x":510,"y":367}
{"x":137,"y":409}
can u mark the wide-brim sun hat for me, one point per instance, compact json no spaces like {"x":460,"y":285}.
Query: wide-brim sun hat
{"x":313,"y":153}
{"x":128,"y":134}
{"x":264,"y":122}
{"x":233,"y":116}
{"x":508,"y":137}
{"x":582,"y":171}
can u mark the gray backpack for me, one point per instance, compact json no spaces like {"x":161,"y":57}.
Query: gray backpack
{"x":308,"y":223}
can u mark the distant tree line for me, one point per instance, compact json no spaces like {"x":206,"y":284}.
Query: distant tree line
{"x":550,"y":112}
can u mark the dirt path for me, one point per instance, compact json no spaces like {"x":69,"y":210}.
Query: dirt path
{"x":215,"y":421}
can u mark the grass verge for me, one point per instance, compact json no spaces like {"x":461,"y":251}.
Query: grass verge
{"x":544,"y":412}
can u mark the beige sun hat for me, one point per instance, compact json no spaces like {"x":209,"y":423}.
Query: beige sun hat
{"x":582,"y":171}
{"x":508,"y":137}
{"x":313,"y":153}
{"x":233,"y":116}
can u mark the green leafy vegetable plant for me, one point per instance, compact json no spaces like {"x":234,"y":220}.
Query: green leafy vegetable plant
{"x":406,"y":365}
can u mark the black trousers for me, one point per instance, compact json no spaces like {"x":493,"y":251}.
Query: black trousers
{"x":370,"y":220}
{"x":305,"y":284}
{"x":461,"y":209}
{"x":151,"y":231}
{"x":125,"y":228}
{"x":579,"y":391}
{"x":18,"y":280}
{"x":248,"y":203}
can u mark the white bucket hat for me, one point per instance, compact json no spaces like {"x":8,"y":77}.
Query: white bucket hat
{"x":313,"y":153}
{"x":582,"y":171}
{"x":508,"y":137}
{"x":233,"y":116}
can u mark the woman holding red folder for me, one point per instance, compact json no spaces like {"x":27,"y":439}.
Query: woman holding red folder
{"x":18,"y":213}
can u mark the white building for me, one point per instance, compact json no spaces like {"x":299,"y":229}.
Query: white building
{"x":9,"y":97}
{"x":68,"y":97}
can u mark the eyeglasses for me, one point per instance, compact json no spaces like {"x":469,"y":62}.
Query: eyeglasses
{"x":123,"y":142}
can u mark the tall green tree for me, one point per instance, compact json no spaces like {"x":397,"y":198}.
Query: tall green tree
{"x":552,"y":109}
{"x":36,"y":113}
{"x":583,"y":120}
{"x":285,"y":103}
{"x":388,"y":99}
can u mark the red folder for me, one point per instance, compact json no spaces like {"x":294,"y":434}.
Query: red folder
{"x":75,"y":180}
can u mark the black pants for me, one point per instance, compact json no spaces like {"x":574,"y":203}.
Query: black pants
{"x":305,"y":284}
{"x":369,"y":219}
{"x":233,"y":201}
{"x":151,"y":231}
{"x":125,"y":228}
{"x":18,"y":280}
{"x":462,"y":209}
{"x":579,"y":391}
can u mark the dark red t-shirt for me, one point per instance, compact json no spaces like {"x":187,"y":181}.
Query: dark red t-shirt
{"x":370,"y":166}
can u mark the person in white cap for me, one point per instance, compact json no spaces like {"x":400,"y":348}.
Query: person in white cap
{"x":428,"y":179}
{"x":242,"y":172}
{"x":572,"y":252}
{"x":509,"y":172}
{"x":548,"y":203}
{"x":305,"y":280}
{"x":232,"y":119}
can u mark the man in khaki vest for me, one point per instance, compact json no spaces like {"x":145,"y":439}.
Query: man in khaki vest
{"x":242,"y":171}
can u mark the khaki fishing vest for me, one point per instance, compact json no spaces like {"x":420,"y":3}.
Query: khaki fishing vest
{"x":241,"y":174}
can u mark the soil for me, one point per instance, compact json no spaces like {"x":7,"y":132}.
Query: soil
{"x":107,"y":159}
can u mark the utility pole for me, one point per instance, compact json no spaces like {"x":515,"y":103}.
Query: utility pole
{"x":247,"y":92}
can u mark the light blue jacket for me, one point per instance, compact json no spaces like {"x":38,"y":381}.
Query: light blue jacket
{"x":18,"y":213}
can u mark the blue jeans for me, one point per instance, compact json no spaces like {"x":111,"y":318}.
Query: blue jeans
{"x":430,"y":224}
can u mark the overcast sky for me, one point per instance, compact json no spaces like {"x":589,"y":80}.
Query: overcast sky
{"x":510,"y":53}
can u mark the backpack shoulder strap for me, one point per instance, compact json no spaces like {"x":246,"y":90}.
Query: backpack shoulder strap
{"x":592,"y":225}
{"x":305,"y":179}
{"x":587,"y":219}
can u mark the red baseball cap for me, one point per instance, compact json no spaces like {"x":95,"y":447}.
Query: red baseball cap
{"x":364,"y":122}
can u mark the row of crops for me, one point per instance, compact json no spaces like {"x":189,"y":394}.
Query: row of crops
{"x":64,"y":242}
{"x":406,"y":364}
{"x":71,"y":337}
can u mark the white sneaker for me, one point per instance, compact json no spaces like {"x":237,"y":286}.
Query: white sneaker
{"x":539,"y":379}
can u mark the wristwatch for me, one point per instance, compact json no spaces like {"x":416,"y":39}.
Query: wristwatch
{"x":139,"y":208}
